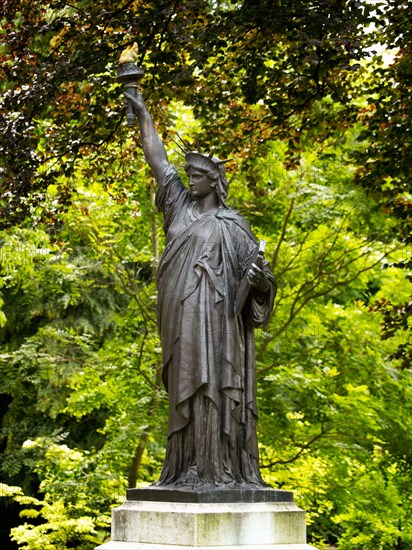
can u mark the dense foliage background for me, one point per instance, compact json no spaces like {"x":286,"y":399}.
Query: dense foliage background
{"x":312,"y":101}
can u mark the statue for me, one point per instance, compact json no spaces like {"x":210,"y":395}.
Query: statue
{"x":207,"y":347}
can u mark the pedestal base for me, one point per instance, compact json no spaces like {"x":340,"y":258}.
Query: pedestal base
{"x":144,"y":525}
{"x":209,"y":494}
{"x":141,"y":546}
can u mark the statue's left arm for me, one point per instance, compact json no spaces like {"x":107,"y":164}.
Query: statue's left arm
{"x":260,"y":277}
{"x":262,"y":294}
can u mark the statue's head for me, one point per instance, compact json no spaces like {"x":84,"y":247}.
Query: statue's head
{"x":213,"y":167}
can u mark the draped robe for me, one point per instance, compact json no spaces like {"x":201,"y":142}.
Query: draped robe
{"x":207,"y":351}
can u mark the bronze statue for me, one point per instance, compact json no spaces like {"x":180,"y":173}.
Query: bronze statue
{"x":208,"y":349}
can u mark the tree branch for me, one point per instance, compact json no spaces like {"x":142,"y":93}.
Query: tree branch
{"x":304,"y":447}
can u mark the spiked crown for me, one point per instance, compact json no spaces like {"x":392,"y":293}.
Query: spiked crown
{"x":205,"y":163}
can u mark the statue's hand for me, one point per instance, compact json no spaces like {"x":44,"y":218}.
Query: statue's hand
{"x":136,"y":100}
{"x":257,"y":278}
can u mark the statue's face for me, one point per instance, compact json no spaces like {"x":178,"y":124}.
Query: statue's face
{"x":200,"y":184}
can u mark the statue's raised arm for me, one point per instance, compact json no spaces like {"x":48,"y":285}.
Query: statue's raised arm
{"x":153,"y":148}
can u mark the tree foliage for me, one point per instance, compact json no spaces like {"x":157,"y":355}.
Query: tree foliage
{"x":317,"y":121}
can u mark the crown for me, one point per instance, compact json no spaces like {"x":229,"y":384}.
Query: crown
{"x":203,"y":162}
{"x":200,"y":160}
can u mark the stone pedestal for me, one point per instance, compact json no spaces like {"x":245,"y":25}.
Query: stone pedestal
{"x":260,"y":521}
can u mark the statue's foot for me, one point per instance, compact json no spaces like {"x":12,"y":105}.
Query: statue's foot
{"x":190,"y":478}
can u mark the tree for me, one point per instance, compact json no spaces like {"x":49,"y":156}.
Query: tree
{"x":384,"y":163}
{"x":278,"y":64}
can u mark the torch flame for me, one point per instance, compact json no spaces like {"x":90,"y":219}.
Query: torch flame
{"x":129,"y":55}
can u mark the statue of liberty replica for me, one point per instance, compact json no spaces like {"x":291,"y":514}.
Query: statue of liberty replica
{"x":207,"y":337}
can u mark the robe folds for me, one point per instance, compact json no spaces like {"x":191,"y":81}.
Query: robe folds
{"x":207,"y":351}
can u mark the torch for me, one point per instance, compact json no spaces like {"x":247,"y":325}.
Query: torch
{"x":129,"y":73}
